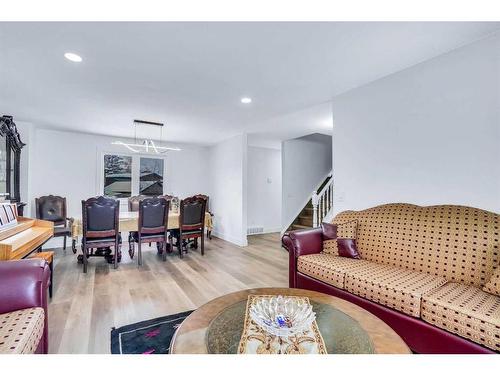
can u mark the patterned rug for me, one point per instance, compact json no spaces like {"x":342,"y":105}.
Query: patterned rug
{"x":146,"y":337}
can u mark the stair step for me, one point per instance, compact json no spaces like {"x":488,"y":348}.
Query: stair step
{"x":300,"y":226}
{"x":306,"y":220}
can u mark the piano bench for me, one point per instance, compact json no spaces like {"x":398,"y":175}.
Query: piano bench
{"x":49,"y":257}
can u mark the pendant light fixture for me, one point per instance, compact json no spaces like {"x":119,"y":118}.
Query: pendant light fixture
{"x":146,"y":146}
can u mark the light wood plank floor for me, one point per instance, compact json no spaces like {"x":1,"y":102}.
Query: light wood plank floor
{"x":85,"y":306}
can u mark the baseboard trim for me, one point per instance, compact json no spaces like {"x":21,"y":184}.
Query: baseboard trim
{"x":229,"y":238}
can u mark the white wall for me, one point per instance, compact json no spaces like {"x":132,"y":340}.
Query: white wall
{"x":228,"y":193}
{"x":68,"y":164}
{"x":306,"y":161}
{"x":427,"y":135}
{"x":264,"y":188}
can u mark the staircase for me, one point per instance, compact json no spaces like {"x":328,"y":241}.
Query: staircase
{"x":317,"y":208}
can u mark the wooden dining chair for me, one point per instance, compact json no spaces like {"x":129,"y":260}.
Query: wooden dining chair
{"x":207,"y":199}
{"x":100,"y":220}
{"x":53,"y":208}
{"x":152,"y":225}
{"x":133,"y":206}
{"x":133,"y":202}
{"x":191,"y":223}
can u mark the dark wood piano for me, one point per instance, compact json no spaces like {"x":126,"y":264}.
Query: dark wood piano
{"x":24,"y":238}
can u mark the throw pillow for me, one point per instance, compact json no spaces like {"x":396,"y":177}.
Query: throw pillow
{"x":333,"y":232}
{"x":493,"y":285}
{"x":347,"y":248}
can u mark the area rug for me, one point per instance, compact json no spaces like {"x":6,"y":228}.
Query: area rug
{"x":146,"y":337}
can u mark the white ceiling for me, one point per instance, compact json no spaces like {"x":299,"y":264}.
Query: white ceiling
{"x":192,"y":75}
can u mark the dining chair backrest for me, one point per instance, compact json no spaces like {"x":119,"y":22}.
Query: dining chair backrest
{"x":100,"y":217}
{"x":203,"y":196}
{"x":133,"y":202}
{"x":192,"y":213}
{"x":153,"y":215}
{"x":51,"y":208}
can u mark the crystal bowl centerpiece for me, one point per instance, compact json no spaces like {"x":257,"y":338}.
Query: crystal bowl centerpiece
{"x":282,"y":316}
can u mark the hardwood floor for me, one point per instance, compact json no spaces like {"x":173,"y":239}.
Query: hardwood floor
{"x":85,"y":307}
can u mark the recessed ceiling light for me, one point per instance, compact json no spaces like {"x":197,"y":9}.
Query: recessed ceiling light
{"x":246,"y":100}
{"x":73,"y":57}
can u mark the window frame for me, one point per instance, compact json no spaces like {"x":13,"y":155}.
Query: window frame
{"x":135,"y":178}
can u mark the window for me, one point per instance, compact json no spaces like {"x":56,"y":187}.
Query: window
{"x":124,"y":176}
{"x":118,"y":176}
{"x":151,"y":177}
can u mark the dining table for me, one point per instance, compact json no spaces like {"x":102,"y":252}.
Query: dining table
{"x":129,"y":222}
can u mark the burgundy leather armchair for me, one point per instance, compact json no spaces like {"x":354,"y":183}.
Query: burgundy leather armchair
{"x":24,"y":284}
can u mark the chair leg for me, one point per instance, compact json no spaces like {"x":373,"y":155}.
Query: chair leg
{"x":51,"y":267}
{"x":85,"y":260}
{"x":165,"y":246}
{"x":117,"y":250}
{"x":131,"y":249}
{"x":171,"y":243}
{"x":64,"y":242}
{"x":179,"y":245}
{"x":202,"y":244}
{"x":73,"y":245}
{"x":139,"y":253}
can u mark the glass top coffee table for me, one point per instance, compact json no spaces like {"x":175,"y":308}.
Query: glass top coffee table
{"x":216,"y":327}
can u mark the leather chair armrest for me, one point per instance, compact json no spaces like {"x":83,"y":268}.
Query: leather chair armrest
{"x":301,"y":242}
{"x":23,"y":284}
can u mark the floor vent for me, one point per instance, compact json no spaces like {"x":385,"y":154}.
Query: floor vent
{"x":255,"y":230}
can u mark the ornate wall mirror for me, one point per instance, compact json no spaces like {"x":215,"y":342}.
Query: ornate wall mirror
{"x":10,"y":159}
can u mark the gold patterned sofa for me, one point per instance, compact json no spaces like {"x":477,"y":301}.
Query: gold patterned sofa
{"x":422,"y":270}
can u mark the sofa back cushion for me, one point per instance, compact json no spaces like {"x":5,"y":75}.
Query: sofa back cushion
{"x":456,"y":242}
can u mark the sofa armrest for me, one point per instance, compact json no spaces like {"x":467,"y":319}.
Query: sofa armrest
{"x":301,"y":242}
{"x":23,"y":284}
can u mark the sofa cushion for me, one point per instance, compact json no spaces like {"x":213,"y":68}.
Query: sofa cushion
{"x":21,"y":331}
{"x":466,"y":311}
{"x":344,"y":230}
{"x":493,"y":285}
{"x":327,"y":267}
{"x":391,"y":286}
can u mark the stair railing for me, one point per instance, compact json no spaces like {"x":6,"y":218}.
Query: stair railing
{"x":322,"y":202}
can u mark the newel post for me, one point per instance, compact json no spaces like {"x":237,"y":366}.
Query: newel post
{"x":314,"y":200}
